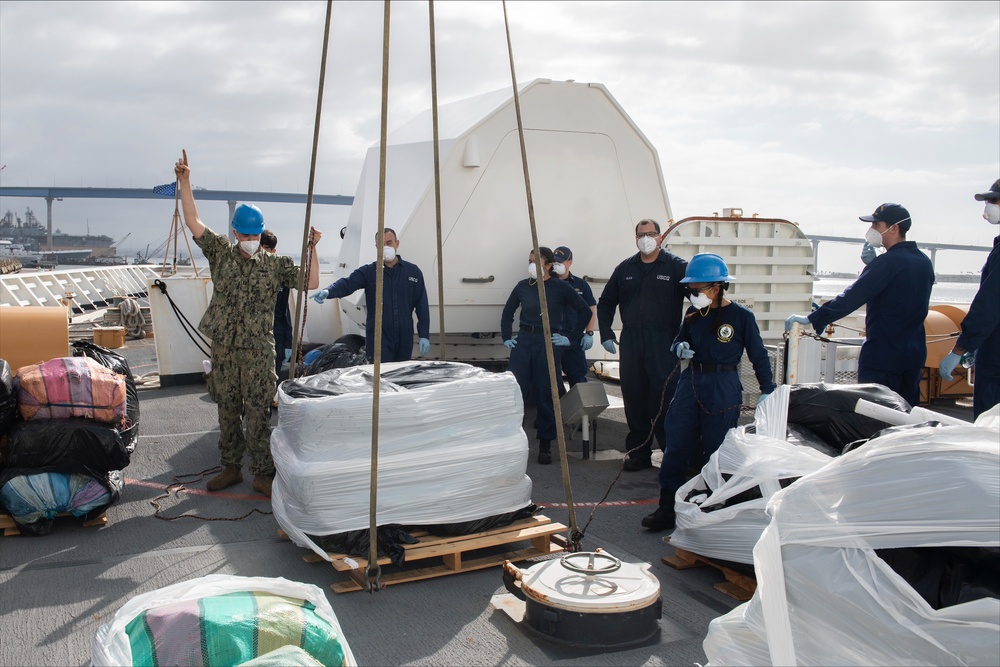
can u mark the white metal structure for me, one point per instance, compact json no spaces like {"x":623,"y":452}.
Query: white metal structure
{"x":90,"y":288}
{"x":770,"y":258}
{"x":593,"y":173}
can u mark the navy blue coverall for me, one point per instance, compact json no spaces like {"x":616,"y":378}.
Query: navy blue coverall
{"x":650,"y":299}
{"x":403,"y":292}
{"x":282,"y":329}
{"x":528,"y":361}
{"x":897,"y":288}
{"x":709,"y":393}
{"x":574,"y":361}
{"x":981,"y":334}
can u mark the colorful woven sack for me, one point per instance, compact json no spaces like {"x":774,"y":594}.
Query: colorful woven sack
{"x":71,"y":387}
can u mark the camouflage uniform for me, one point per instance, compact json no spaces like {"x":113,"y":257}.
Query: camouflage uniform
{"x":240,"y":320}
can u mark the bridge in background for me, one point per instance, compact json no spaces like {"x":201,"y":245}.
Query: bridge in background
{"x":234,"y":197}
{"x":930,"y":248}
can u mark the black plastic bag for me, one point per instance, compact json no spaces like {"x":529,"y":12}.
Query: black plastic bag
{"x":336,"y":355}
{"x":119,"y":364}
{"x":828,"y":410}
{"x":391,"y":538}
{"x":801,"y":436}
{"x":486,"y":523}
{"x":8,"y":398}
{"x":72,"y":445}
{"x":946,"y":576}
{"x":425,"y":373}
{"x":111,"y":480}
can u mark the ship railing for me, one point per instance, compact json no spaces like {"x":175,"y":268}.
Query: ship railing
{"x":82,"y":289}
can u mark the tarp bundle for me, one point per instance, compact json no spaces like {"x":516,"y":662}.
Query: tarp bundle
{"x":825,"y":596}
{"x":225,"y":620}
{"x":70,"y":463}
{"x":451,"y":448}
{"x":71,"y":387}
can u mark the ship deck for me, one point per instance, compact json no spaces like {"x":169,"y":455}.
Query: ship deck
{"x":55,"y":591}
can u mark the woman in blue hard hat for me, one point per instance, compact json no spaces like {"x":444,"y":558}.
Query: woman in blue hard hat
{"x":709,"y":395}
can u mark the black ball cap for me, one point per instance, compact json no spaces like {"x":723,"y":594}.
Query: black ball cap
{"x":890,"y":214}
{"x":994,"y":192}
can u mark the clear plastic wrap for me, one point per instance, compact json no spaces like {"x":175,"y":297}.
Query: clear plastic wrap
{"x":112,"y":645}
{"x":824,"y":596}
{"x":451,"y":449}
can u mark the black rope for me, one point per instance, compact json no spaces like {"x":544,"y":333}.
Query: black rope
{"x":179,"y":485}
{"x":185,"y":324}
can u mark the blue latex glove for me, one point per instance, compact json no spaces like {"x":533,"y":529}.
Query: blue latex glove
{"x":762,"y":398}
{"x":312,"y":355}
{"x":948,"y":365}
{"x":609,"y":345}
{"x":587,"y":342}
{"x":424,"y":346}
{"x":559,"y":340}
{"x":320,"y":296}
{"x":682,"y":349}
{"x":510,"y":343}
{"x":801,"y":319}
{"x":288,"y":355}
{"x":868,"y":253}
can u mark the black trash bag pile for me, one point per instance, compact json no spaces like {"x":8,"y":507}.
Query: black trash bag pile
{"x":800,"y":436}
{"x":336,"y":382}
{"x":946,"y":576}
{"x":119,"y":364}
{"x":336,"y":355}
{"x":828,"y":411}
{"x":486,"y":523}
{"x":64,"y":446}
{"x":427,"y":373}
{"x":8,"y":398}
{"x":391,"y":538}
{"x":352,"y":380}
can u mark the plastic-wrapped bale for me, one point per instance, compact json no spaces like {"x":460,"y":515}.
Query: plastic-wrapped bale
{"x":721,"y":512}
{"x":69,"y":445}
{"x":825,"y":596}
{"x":8,"y":398}
{"x":451,"y":448}
{"x":225,"y":620}
{"x":118,"y":364}
{"x":71,"y":387}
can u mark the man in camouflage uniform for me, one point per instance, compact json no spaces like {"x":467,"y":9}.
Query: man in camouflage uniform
{"x":239,"y":321}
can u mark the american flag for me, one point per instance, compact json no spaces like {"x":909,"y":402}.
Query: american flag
{"x":167,"y":189}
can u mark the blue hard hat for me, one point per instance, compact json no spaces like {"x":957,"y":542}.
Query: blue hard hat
{"x":706,"y":268}
{"x":247,"y":219}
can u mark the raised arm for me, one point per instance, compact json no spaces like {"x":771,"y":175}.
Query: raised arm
{"x":183,"y":173}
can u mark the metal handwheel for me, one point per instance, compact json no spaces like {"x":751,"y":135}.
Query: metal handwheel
{"x":613,"y":563}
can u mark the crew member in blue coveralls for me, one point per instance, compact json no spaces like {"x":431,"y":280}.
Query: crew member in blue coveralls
{"x":896,"y":286}
{"x":574,"y":360}
{"x":528,"y":361}
{"x":403,"y":293}
{"x":646,"y":288}
{"x":709,"y":394}
{"x":981,"y":326}
{"x":239,"y":320}
{"x":282,"y":313}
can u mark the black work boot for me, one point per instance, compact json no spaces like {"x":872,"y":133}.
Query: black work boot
{"x":638,"y":460}
{"x":663,"y":518}
{"x":544,"y":452}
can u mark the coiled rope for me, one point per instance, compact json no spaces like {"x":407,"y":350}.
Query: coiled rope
{"x":132,"y":319}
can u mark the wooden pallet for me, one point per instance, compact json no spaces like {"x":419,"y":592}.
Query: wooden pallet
{"x":10,"y":528}
{"x":455,"y":552}
{"x":737,"y":585}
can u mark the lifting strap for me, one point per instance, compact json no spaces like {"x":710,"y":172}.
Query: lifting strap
{"x":573,"y":542}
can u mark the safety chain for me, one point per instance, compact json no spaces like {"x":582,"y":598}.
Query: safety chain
{"x":179,"y":485}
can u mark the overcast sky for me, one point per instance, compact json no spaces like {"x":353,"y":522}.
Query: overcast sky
{"x":814,"y":112}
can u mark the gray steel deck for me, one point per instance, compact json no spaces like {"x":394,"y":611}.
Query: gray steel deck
{"x":55,"y":591}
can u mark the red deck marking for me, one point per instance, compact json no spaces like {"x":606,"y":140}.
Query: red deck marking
{"x":609,"y":503}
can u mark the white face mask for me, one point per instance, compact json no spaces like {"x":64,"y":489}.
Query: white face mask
{"x":249,"y":247}
{"x":532,"y":271}
{"x":700,"y":301}
{"x":992,"y":213}
{"x":388,"y":253}
{"x":646,"y":245}
{"x":559,"y":268}
{"x":874,"y":237}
